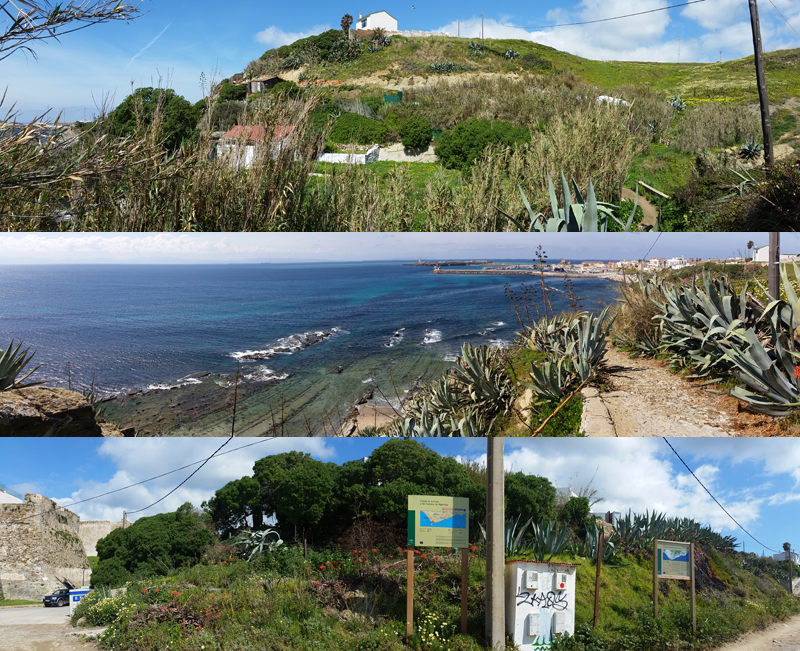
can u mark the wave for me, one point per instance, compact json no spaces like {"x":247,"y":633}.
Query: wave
{"x":395,"y":339}
{"x":431,"y":336}
{"x":498,"y":323}
{"x":286,"y":345}
{"x":265,"y":375}
{"x":498,"y":343}
{"x":182,"y":382}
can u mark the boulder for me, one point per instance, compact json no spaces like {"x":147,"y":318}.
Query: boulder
{"x":46,"y":411}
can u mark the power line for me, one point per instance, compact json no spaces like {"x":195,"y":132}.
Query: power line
{"x":163,"y":474}
{"x":651,"y":248}
{"x":784,"y":17}
{"x":604,"y":20}
{"x":715,"y":499}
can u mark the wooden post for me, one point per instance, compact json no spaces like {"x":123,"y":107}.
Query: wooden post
{"x":691,"y":571}
{"x":597,"y":577}
{"x":655,"y":579}
{"x":465,"y":587}
{"x":774,"y":265}
{"x":495,"y":545}
{"x":766,"y":126}
{"x":410,"y":595}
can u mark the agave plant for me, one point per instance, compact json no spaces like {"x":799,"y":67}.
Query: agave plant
{"x":480,"y":371}
{"x":552,"y":380}
{"x":549,"y":540}
{"x":476,"y":49}
{"x":677,"y":103}
{"x":12,"y":362}
{"x":589,"y":546}
{"x":510,"y":54}
{"x":258,"y":542}
{"x":750,"y":150}
{"x":583,"y":215}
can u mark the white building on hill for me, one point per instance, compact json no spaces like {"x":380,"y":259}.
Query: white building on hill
{"x":377,"y":19}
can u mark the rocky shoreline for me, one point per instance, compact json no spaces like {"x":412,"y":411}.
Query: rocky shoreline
{"x":604,"y":275}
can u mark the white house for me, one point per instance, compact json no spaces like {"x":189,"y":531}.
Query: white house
{"x":377,"y":19}
{"x":678,"y":262}
{"x":242,"y":144}
{"x":761,"y":254}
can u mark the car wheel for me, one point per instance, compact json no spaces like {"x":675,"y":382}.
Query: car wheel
{"x":62,"y":602}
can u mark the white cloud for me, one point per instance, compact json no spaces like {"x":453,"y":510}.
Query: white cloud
{"x":139,"y":459}
{"x":714,"y":14}
{"x":632,"y":474}
{"x":275,"y":37}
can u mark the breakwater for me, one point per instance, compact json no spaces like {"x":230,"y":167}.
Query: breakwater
{"x":446,"y":263}
{"x":605,"y":275}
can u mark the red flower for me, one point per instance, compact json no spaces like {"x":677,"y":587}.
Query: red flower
{"x":424,"y":556}
{"x":144,"y":590}
{"x":374,"y":550}
{"x":797,"y":371}
{"x":175,"y":592}
{"x":316,"y":582}
{"x":433,"y":576}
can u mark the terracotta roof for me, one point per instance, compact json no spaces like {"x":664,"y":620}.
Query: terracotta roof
{"x":258,"y":133}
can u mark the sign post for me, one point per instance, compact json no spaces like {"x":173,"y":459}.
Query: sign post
{"x":674,"y":560}
{"x":436,"y":521}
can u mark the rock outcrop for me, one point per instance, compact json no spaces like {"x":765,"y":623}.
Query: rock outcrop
{"x":49,"y":411}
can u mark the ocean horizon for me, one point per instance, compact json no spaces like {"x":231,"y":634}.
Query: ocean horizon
{"x":308,"y":338}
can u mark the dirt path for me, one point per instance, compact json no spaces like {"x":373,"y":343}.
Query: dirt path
{"x":783,"y":636}
{"x":651,"y":401}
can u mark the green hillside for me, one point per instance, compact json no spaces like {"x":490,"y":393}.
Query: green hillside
{"x":407,"y":61}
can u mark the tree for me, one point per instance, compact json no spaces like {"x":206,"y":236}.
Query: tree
{"x":347,"y":20}
{"x":151,"y":546}
{"x":179,"y":117}
{"x":459,"y":148}
{"x":234,"y":503}
{"x":575,"y":513}
{"x":229,"y":91}
{"x":296,"y":489}
{"x":37,"y":20}
{"x":530,"y":496}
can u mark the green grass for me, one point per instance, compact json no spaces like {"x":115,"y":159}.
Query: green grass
{"x":662,"y":168}
{"x":17,"y":602}
{"x":735,"y":79}
{"x":783,"y":121}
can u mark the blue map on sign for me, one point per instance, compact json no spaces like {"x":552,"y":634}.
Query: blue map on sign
{"x":456,"y":521}
{"x":675,"y":555}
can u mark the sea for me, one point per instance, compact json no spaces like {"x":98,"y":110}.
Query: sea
{"x":307,"y":340}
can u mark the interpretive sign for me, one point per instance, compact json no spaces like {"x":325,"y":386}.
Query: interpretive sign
{"x":673,"y":560}
{"x":435,"y":521}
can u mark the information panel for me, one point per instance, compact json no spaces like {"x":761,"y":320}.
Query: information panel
{"x":435,"y":521}
{"x":673,"y":560}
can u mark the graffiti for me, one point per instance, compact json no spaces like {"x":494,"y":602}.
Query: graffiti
{"x":554,"y":600}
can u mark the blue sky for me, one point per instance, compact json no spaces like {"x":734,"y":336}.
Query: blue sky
{"x":178,"y":40}
{"x":757,"y":480}
{"x":53,"y":248}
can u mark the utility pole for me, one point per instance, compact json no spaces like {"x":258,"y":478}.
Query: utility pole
{"x":481,"y":27}
{"x":766,"y":127}
{"x":774,"y":264}
{"x":788,"y":549}
{"x":679,"y":49}
{"x":459,"y":28}
{"x":495,"y":545}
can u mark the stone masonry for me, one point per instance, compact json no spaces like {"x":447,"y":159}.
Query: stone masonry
{"x":93,"y":530}
{"x":40,"y":544}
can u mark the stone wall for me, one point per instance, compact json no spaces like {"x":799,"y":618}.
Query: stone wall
{"x":39,"y":545}
{"x":93,"y":530}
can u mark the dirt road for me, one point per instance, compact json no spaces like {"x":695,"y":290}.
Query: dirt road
{"x":784,"y":636}
{"x":40,"y":629}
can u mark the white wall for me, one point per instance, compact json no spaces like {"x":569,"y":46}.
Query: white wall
{"x":378,"y":19}
{"x":353,"y":159}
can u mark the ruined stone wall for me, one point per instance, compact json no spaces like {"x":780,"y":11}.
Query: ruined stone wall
{"x":39,"y":544}
{"x":93,"y":530}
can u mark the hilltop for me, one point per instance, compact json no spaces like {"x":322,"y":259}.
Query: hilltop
{"x":406,"y":62}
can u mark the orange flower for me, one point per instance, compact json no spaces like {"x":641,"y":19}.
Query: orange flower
{"x":374,"y":550}
{"x":797,"y":371}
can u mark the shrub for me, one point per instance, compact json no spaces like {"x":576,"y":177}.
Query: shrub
{"x":416,"y":132}
{"x":179,"y":116}
{"x":287,"y":88}
{"x":351,"y":128}
{"x":533,"y":61}
{"x":231,"y":92}
{"x":458,"y":148}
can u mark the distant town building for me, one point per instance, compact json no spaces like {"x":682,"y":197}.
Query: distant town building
{"x":7,"y":496}
{"x":784,"y":556}
{"x":761,"y":254}
{"x":678,"y":262}
{"x":382,"y":19}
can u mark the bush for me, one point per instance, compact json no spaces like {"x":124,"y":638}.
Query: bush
{"x":287,"y":88}
{"x":533,"y":61}
{"x":136,"y":112}
{"x":229,"y":92}
{"x":351,"y":128}
{"x":416,"y":132}
{"x":460,"y":147}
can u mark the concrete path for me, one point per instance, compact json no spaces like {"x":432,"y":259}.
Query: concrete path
{"x":41,"y":629}
{"x":648,"y":400}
